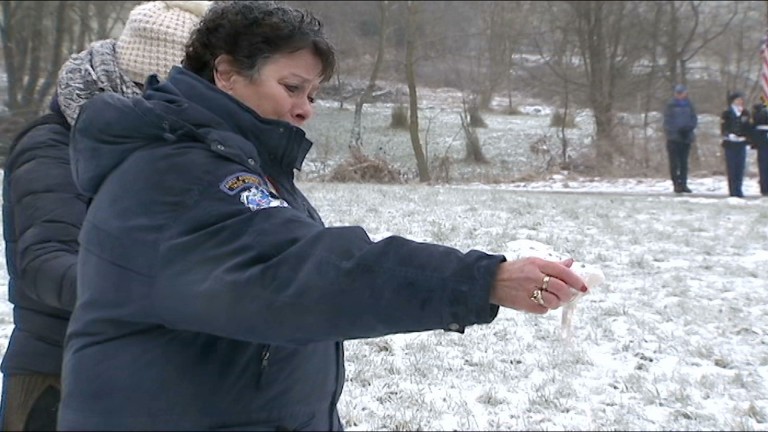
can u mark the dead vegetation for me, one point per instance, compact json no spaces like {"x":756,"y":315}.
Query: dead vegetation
{"x":361,"y":168}
{"x":476,"y":119}
{"x":399,"y":117}
{"x":561,"y":121}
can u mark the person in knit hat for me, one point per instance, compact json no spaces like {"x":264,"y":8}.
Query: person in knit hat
{"x":153,"y":34}
{"x":43,"y":209}
{"x":151,"y":42}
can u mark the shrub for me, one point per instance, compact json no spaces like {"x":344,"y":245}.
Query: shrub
{"x":475,"y":119}
{"x":399,"y":117}
{"x":360,"y":168}
{"x":558,"y":120}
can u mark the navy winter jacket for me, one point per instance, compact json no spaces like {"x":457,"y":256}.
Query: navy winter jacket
{"x":42,"y":214}
{"x":210,"y":295}
{"x":680,"y":120}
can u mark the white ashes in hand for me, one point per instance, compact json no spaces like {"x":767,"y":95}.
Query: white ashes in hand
{"x":591,"y":274}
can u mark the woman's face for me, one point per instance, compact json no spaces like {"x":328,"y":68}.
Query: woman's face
{"x":739,"y":102}
{"x":284,"y":89}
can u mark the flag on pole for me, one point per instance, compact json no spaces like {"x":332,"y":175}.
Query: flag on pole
{"x":764,"y":69}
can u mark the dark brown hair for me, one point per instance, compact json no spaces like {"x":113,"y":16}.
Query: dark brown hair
{"x":253,"y":31}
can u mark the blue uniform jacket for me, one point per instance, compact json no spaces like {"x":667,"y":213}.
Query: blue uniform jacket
{"x":42,"y":214}
{"x":210,"y":294}
{"x":760,"y":127}
{"x":739,"y":125}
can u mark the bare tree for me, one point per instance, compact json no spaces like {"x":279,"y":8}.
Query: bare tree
{"x":737,"y":51}
{"x":607,"y":55}
{"x":96,"y":20}
{"x":684,"y":34}
{"x":31,"y":58}
{"x":503,"y":22}
{"x":651,"y":81}
{"x":412,"y":20}
{"x":357,"y":139}
{"x":563,"y":59}
{"x":474,"y":152}
{"x":36,"y":37}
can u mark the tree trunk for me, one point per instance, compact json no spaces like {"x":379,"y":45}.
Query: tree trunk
{"x":499,"y":51}
{"x":472,"y":147}
{"x":341,"y":90}
{"x":683,"y":71}
{"x":413,"y":127}
{"x":83,"y":13}
{"x":34,"y":72}
{"x":36,"y":37}
{"x":599,"y":81}
{"x":600,"y":27}
{"x":9,"y":52}
{"x":603,"y":130}
{"x":563,"y":137}
{"x":59,"y":35}
{"x":357,"y":138}
{"x":649,"y":84}
{"x":672,"y":54}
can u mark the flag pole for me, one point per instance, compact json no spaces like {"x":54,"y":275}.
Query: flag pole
{"x":764,"y":68}
{"x":764,"y":62}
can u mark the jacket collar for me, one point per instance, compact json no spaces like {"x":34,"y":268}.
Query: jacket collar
{"x":277,"y":142}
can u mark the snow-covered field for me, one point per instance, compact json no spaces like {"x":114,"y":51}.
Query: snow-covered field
{"x":675,"y":339}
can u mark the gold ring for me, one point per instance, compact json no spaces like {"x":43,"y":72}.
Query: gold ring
{"x":538,"y":297}
{"x":545,"y":283}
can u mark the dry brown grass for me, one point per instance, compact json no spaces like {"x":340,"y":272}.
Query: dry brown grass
{"x":361,"y":168}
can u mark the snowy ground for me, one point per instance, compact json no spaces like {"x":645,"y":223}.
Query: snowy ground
{"x":675,"y":339}
{"x":707,"y":187}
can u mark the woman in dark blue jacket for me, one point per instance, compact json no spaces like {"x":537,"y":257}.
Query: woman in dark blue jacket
{"x":210,"y":294}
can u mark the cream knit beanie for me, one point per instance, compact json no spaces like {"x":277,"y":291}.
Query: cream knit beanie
{"x":154,"y":37}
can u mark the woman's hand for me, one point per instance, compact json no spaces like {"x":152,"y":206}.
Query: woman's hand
{"x":523,"y":285}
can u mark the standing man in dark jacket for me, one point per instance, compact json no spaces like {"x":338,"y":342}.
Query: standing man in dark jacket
{"x":43,"y":209}
{"x":680,"y":121}
{"x":735,"y":128}
{"x":760,"y":143}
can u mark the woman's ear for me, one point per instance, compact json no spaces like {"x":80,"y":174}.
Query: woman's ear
{"x":224,"y":73}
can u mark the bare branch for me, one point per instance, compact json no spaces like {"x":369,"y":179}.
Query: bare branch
{"x":719,"y":33}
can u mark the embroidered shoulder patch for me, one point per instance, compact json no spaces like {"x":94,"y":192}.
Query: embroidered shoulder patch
{"x":258,"y":198}
{"x":239,"y":181}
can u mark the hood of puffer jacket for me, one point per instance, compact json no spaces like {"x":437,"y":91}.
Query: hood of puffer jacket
{"x":111,"y":127}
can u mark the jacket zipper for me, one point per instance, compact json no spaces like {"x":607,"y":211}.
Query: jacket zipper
{"x":264,"y":363}
{"x":339,"y":382}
